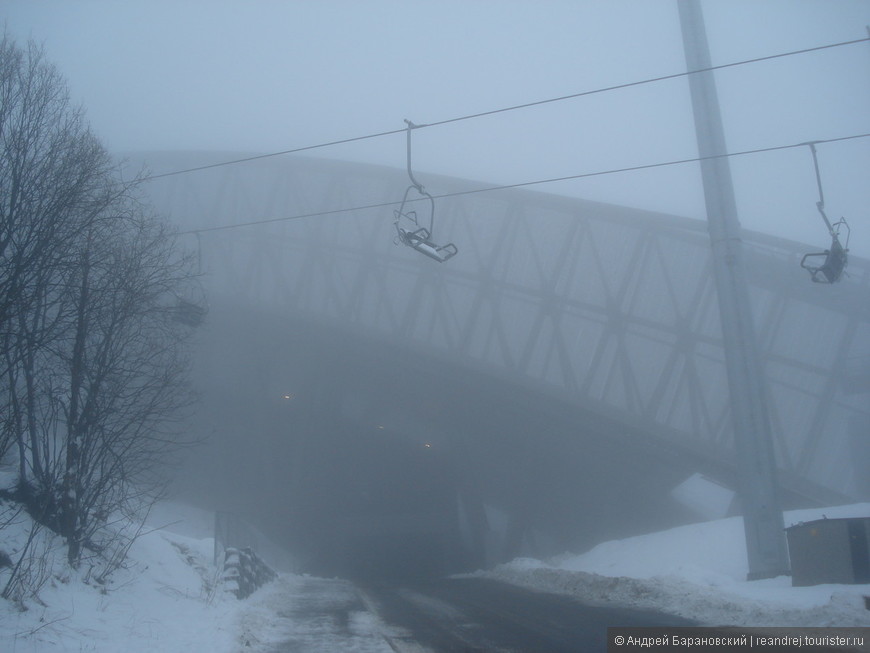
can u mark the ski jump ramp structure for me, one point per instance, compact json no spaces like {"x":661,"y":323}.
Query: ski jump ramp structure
{"x":608,"y":309}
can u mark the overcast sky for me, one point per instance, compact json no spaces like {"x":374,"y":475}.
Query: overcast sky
{"x":261,"y":76}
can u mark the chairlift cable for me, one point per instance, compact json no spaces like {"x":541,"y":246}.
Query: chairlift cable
{"x":488,"y":189}
{"x":651,"y":80}
{"x":526,"y":105}
{"x":257,"y":157}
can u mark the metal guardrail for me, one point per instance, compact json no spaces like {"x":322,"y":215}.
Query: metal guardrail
{"x":245,"y":572}
{"x":238,"y":549}
{"x":231,"y":531}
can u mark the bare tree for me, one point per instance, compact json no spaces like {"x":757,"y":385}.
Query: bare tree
{"x":124,"y":369}
{"x":93,"y":361}
{"x":53,"y":176}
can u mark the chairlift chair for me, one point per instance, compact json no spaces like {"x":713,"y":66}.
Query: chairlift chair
{"x":422,"y":242}
{"x":189,"y":313}
{"x":409,"y":231}
{"x":191,"y":306}
{"x":833,"y":261}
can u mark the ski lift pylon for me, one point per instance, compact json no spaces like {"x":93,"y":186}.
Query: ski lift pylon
{"x":409,"y":230}
{"x":832,"y":261}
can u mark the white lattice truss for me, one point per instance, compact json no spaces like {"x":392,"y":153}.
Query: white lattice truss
{"x":606,"y":306}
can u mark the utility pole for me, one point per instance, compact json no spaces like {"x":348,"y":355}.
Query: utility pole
{"x":753,"y":442}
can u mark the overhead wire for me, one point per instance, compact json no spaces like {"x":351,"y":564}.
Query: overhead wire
{"x":256,"y":157}
{"x":515,"y":107}
{"x":536,"y":182}
{"x":650,"y":80}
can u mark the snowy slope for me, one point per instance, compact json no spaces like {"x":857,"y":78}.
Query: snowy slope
{"x":168,"y":600}
{"x":698,"y":572}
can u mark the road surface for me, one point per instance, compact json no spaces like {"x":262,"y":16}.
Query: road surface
{"x":476,"y":614}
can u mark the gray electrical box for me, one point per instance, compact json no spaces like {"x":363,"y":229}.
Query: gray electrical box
{"x":830,"y":551}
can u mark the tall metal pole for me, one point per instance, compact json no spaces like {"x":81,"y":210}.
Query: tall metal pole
{"x":758,"y":491}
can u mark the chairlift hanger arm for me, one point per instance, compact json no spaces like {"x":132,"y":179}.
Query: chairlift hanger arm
{"x":408,"y":229}
{"x":820,"y":205}
{"x":416,"y":185}
{"x":414,"y":181}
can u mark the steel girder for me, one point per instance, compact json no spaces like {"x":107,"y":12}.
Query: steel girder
{"x":610,"y":307}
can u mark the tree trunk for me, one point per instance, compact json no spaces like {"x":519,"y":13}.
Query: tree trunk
{"x":69,"y":501}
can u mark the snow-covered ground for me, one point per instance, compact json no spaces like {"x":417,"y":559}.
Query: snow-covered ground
{"x":168,"y":597}
{"x":698,"y":572}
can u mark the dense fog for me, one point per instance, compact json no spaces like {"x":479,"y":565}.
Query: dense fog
{"x":267,"y":77}
{"x":556,"y":383}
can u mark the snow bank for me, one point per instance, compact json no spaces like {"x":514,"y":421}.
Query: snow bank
{"x":165,"y":598}
{"x":698,"y":572}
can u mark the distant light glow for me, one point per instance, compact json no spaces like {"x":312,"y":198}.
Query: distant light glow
{"x":288,"y":396}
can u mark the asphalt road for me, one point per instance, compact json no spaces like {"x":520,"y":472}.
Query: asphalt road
{"x":475,"y":614}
